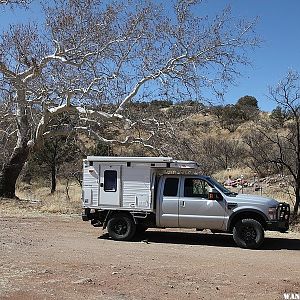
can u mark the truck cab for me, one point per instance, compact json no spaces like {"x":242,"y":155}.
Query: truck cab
{"x":192,"y":201}
{"x":178,"y":197}
{"x":184,"y":201}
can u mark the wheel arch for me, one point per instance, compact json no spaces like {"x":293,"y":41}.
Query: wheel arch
{"x":112,"y":213}
{"x":247,"y":214}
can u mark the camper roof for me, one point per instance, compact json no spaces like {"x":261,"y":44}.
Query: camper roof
{"x":131,"y":159}
{"x":169,"y":161}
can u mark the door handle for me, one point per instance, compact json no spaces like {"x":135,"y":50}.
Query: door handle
{"x":182,"y":203}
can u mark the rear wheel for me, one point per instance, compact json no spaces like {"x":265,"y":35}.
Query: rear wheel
{"x":248,"y":233}
{"x":121,"y":227}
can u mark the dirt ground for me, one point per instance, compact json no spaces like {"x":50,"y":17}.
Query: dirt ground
{"x":62,"y":257}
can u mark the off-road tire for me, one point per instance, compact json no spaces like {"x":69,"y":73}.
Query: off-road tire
{"x":248,"y":233}
{"x":121,"y":227}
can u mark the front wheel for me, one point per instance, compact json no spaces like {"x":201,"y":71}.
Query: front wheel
{"x":121,"y":227}
{"x":248,"y":233}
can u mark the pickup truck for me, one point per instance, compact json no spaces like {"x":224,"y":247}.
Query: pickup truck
{"x":193,"y":201}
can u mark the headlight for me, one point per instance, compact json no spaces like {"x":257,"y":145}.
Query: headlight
{"x":272,"y":213}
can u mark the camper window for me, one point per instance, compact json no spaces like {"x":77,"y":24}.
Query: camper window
{"x":110,"y":181}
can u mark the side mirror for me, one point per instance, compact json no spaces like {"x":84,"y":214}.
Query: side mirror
{"x":214,"y":195}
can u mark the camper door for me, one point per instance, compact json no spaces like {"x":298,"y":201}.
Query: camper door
{"x":109,"y":185}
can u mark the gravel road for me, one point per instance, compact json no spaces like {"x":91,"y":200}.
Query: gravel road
{"x":60,"y":257}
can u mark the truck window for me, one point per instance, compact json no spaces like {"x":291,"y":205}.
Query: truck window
{"x":171,"y":186}
{"x":110,"y":180}
{"x":194,"y":187}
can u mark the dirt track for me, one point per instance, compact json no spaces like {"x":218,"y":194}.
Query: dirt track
{"x":66,"y":258}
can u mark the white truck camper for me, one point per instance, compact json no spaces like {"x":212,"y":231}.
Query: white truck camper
{"x":128,"y":195}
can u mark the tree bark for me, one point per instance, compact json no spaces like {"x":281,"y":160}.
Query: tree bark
{"x":53,"y":178}
{"x":296,"y":206}
{"x":11,"y":171}
{"x":27,"y":176}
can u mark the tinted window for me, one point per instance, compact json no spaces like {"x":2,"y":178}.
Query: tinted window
{"x":194,"y":187}
{"x":110,"y":181}
{"x":171,"y":187}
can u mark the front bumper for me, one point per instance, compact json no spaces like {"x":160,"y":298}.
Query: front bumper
{"x":281,"y":226}
{"x":282,"y":218}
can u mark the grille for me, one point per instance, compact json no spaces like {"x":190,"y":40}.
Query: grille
{"x":283,"y":211}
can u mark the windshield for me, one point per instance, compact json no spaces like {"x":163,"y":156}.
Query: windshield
{"x":220,"y":187}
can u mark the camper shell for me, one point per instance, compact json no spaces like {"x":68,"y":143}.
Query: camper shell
{"x":126,"y":183}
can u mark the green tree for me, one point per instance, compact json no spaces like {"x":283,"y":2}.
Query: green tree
{"x":279,"y":115}
{"x":102,"y":149}
{"x":247,"y":107}
{"x":247,"y":102}
{"x":229,"y":116}
{"x":52,"y":156}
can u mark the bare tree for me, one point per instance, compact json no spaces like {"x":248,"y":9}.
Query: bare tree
{"x":221,"y":153}
{"x":14,"y":2}
{"x":92,"y":58}
{"x":260,"y":154}
{"x":279,"y":147}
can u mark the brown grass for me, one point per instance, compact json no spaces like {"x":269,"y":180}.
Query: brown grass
{"x":18,"y":208}
{"x":60,"y":201}
{"x":235,"y":173}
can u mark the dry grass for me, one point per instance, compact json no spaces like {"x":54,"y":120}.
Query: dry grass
{"x":18,"y":208}
{"x":235,"y":173}
{"x":61,"y":201}
{"x":285,"y":195}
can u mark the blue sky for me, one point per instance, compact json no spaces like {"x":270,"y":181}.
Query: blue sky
{"x":278,"y":27}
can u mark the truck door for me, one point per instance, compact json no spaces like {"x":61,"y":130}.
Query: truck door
{"x":195,"y":209}
{"x":168,"y":204}
{"x":109,"y":185}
